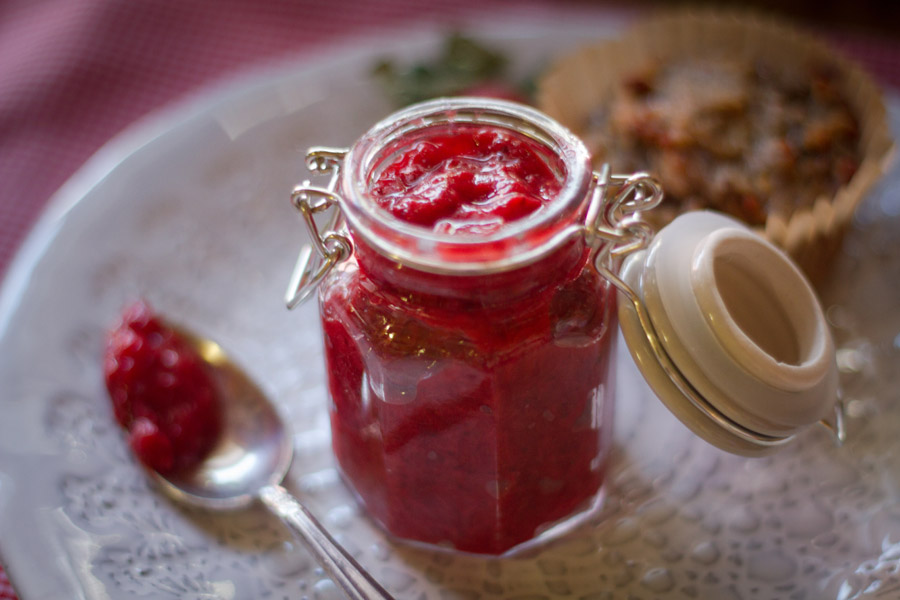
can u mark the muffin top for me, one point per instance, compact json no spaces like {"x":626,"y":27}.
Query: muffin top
{"x":734,"y":135}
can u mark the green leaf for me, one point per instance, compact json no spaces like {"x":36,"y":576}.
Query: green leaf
{"x":462,"y":64}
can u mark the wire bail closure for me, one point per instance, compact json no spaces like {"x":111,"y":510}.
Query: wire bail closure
{"x":614,"y":228}
{"x":329,"y":247}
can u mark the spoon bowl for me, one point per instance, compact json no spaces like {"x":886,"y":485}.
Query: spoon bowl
{"x":249,"y":463}
{"x":255,"y":447}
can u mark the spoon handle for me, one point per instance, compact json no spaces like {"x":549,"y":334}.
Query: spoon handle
{"x":340,"y":566}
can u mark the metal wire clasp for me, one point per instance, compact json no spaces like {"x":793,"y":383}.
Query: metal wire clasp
{"x":614,"y":228}
{"x":327,"y":247}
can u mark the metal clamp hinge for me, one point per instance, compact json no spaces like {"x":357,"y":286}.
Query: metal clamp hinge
{"x":614,"y":228}
{"x":327,"y":247}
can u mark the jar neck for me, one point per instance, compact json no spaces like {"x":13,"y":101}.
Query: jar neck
{"x":560,"y":265}
{"x":408,"y":256}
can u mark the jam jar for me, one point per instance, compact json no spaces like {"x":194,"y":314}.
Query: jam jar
{"x":467,"y":271}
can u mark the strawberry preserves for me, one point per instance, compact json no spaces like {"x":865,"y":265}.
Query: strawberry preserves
{"x":468,"y":179}
{"x":162,"y":392}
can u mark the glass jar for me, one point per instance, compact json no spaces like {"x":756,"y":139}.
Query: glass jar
{"x":471,"y":375}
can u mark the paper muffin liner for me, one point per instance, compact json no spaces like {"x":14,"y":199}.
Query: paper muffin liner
{"x":578,"y":83}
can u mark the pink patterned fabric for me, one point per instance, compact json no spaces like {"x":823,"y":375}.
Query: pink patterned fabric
{"x":6,"y":591}
{"x":73,"y":73}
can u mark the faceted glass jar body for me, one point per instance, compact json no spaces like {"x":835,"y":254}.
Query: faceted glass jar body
{"x":472,"y":398}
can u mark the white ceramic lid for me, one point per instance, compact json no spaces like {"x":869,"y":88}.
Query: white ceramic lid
{"x":729,"y":334}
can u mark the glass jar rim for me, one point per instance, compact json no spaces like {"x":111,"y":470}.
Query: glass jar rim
{"x":516,"y":244}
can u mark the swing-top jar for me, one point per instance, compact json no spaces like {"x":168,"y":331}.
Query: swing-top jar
{"x":467,"y":293}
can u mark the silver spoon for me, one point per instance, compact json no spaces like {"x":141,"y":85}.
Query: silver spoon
{"x":250,"y":462}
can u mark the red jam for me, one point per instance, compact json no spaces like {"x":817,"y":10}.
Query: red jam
{"x":470,"y":411}
{"x":468,"y":179}
{"x":162,"y":392}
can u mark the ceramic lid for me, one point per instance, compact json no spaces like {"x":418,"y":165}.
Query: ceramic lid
{"x":728,"y":333}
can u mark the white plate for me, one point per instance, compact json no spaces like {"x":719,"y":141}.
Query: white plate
{"x":190,"y":210}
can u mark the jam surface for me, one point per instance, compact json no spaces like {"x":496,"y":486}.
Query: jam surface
{"x":162,"y":392}
{"x":470,"y":412}
{"x":468,"y":179}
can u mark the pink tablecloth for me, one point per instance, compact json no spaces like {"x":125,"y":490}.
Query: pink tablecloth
{"x":73,"y":73}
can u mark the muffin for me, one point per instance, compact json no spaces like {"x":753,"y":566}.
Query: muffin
{"x":733,"y":112}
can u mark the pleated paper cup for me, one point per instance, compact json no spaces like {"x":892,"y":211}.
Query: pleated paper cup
{"x":581,"y":83}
